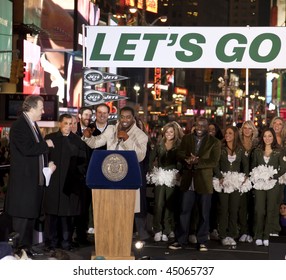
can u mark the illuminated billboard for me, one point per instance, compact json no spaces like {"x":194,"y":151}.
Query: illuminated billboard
{"x":32,"y":12}
{"x":5,"y":37}
{"x":34,"y":74}
{"x":277,"y":13}
{"x":151,"y":5}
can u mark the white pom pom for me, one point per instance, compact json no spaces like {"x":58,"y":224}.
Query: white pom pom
{"x":160,"y":177}
{"x":261,"y":177}
{"x":245,"y":187}
{"x":217,"y":186}
{"x":232,"y":181}
{"x":282,"y":179}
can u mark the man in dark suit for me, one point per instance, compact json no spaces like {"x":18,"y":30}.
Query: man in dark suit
{"x":26,"y":181}
{"x":199,"y":152}
{"x":81,"y":221}
{"x":62,"y":197}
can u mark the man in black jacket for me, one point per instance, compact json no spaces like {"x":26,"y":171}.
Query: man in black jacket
{"x":62,"y":197}
{"x":26,"y":181}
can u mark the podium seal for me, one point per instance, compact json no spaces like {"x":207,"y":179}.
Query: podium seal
{"x":114,"y":167}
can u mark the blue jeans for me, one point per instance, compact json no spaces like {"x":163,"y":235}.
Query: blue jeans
{"x":188,"y":200}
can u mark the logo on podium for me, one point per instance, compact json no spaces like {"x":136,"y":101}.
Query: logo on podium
{"x":114,"y":167}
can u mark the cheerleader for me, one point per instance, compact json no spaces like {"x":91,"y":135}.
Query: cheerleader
{"x":231,"y":171}
{"x":267,"y":164}
{"x":164,"y":178}
{"x":278,"y":125}
{"x":249,"y":139}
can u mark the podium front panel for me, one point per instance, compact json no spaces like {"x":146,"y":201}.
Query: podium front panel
{"x":113,"y":170}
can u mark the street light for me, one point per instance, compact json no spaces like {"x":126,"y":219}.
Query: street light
{"x":134,"y":10}
{"x":162,"y":19}
{"x":117,"y":85}
{"x":136,"y":88}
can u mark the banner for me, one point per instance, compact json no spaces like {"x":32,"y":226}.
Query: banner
{"x":95,"y":97}
{"x":94,"y":77}
{"x":186,"y":47}
{"x":91,"y":94}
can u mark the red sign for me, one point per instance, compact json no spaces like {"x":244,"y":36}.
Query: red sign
{"x":283,"y":113}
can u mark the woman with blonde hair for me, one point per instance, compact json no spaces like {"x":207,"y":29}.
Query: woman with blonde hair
{"x":278,"y":125}
{"x":164,"y":178}
{"x":248,"y":135}
{"x":249,"y":139}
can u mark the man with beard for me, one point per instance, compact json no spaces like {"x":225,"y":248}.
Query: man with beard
{"x":84,"y":116}
{"x":199,"y":153}
{"x":125,"y":135}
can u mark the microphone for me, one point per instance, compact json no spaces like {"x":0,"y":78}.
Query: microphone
{"x":118,"y":143}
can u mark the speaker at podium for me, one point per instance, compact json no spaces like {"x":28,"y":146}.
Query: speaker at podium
{"x":114,"y":177}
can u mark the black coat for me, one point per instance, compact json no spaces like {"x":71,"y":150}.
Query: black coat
{"x":24,"y":195}
{"x":62,"y":196}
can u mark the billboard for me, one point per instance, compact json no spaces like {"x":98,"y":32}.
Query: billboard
{"x":34,"y":74}
{"x":32,"y":12}
{"x":151,"y":5}
{"x":277,"y":13}
{"x":6,"y":24}
{"x":61,"y":57}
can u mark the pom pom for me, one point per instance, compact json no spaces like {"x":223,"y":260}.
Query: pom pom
{"x":261,"y":177}
{"x":232,"y":181}
{"x":245,"y":187}
{"x":282,"y":179}
{"x":217,"y":186}
{"x":160,"y":177}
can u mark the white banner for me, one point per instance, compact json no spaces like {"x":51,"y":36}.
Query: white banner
{"x":186,"y":47}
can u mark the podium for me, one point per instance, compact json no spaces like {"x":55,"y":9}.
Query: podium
{"x":114,"y":177}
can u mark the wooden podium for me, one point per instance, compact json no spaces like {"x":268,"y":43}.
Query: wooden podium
{"x":113,"y":203}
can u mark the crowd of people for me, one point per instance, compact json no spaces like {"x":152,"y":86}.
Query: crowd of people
{"x":227,"y":185}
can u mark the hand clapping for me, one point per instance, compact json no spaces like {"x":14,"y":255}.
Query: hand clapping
{"x":192,"y":159}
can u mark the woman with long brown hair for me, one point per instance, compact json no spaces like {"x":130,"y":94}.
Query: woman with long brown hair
{"x":232,"y":169}
{"x":267,"y":160}
{"x":164,"y":178}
